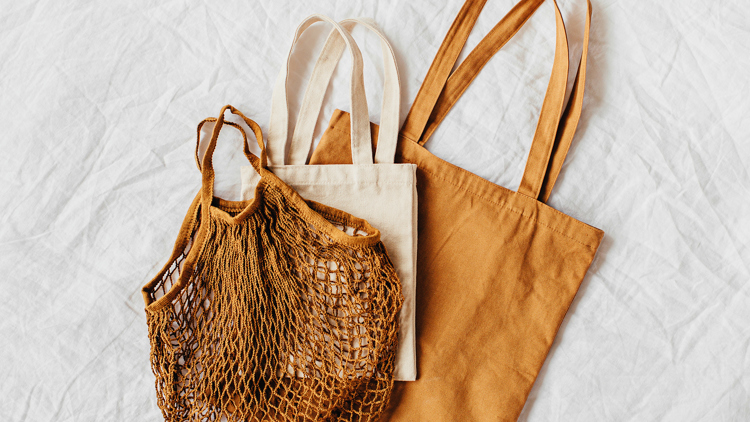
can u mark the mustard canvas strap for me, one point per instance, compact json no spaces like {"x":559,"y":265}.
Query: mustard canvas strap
{"x":320,"y":79}
{"x":543,"y":151}
{"x":556,"y":126}
{"x":570,"y":118}
{"x":360,"y":121}
{"x":440,"y":69}
{"x":549,"y":117}
{"x":468,"y":70}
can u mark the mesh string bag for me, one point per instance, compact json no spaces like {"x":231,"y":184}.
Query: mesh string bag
{"x":275,"y":308}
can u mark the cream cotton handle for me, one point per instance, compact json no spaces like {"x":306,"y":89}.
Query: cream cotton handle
{"x":311,"y":105}
{"x":360,"y":123}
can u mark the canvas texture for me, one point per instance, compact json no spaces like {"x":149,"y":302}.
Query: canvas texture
{"x":373,"y":188}
{"x":497,"y":269}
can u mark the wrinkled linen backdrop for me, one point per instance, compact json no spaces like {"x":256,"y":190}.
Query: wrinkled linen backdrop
{"x":99,"y":104}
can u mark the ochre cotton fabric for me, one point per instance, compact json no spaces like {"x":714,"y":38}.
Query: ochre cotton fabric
{"x":497,"y":269}
{"x":272,"y":309}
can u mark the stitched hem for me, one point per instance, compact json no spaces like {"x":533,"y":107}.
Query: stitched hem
{"x":517,"y":211}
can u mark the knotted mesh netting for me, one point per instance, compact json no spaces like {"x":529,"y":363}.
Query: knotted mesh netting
{"x":277,"y":320}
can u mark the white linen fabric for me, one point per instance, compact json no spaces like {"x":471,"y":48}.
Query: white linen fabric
{"x":99,"y":103}
{"x":380,"y":191}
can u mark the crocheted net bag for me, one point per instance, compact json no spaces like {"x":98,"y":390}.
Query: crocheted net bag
{"x":275,"y":308}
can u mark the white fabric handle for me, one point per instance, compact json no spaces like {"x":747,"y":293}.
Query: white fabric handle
{"x":360,"y":120}
{"x":313,"y":101}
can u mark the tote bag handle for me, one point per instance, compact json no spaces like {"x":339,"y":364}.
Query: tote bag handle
{"x":443,"y":86}
{"x":319,"y":81}
{"x":206,"y":166}
{"x":360,"y":123}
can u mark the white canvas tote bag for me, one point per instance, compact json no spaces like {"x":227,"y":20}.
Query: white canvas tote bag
{"x":380,"y":191}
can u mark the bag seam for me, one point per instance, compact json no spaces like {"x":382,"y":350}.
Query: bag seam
{"x":511,"y":208}
{"x":503,"y":204}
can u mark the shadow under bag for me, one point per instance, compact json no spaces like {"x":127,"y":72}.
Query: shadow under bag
{"x":274,"y":308}
{"x":496,"y":269}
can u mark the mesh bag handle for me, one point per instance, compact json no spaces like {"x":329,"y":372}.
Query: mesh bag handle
{"x":207,"y":168}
